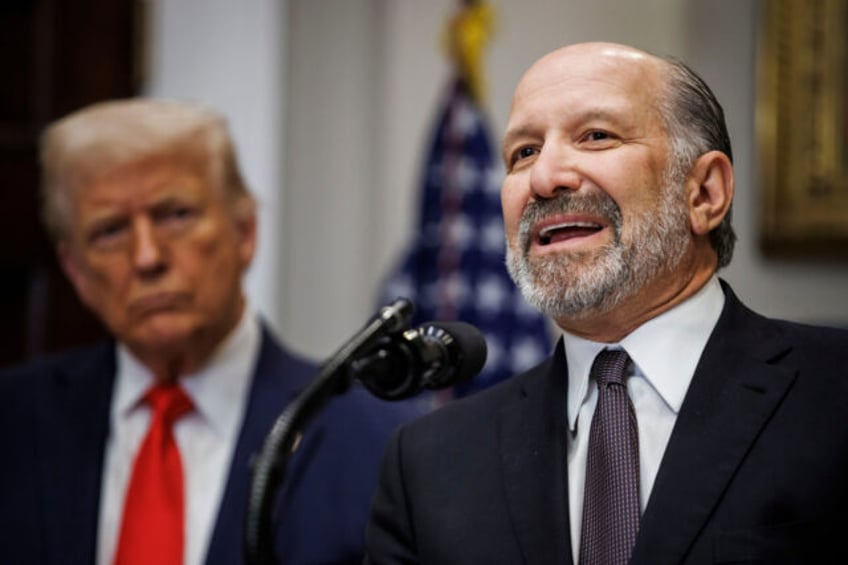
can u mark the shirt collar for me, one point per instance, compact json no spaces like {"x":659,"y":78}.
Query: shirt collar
{"x":223,"y":380}
{"x":665,"y":350}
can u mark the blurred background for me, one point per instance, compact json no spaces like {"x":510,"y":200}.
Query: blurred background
{"x":333,"y":105}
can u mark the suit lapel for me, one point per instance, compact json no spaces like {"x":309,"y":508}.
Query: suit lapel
{"x":734,"y":391}
{"x":532,"y":442}
{"x":276,"y":381}
{"x":73,"y":427}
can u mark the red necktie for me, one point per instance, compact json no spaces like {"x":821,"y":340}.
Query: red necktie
{"x":152,"y":530}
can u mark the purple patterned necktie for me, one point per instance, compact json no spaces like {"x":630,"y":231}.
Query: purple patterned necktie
{"x":611,"y":500}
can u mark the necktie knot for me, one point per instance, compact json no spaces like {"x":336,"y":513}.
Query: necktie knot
{"x":610,"y":367}
{"x":169,"y":403}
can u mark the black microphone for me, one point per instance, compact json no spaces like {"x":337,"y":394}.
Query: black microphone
{"x":433,"y":356}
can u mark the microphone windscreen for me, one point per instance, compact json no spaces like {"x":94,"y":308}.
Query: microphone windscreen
{"x":466,"y":347}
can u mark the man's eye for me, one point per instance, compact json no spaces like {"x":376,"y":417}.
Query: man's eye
{"x":182,"y":212}
{"x":597,"y":135}
{"x":108,"y":233}
{"x":175,"y":214}
{"x":603,"y":137}
{"x":523,"y":153}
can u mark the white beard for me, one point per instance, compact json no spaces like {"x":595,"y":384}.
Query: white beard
{"x":579,"y":284}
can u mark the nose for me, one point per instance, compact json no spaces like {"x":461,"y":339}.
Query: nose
{"x":148,"y":252}
{"x":553,"y":172}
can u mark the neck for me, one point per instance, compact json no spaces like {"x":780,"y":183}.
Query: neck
{"x":663,"y":294}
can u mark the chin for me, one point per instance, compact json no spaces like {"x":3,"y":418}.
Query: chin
{"x":164,"y":334}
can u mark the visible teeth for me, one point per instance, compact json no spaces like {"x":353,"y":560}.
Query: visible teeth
{"x":545,"y":233}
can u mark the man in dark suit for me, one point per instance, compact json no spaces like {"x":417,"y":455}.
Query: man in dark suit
{"x":727,"y":439}
{"x":155,"y":228}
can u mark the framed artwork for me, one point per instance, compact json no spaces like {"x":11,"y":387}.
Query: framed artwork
{"x":802,"y":128}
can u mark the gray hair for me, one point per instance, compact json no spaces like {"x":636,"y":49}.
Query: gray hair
{"x":695,"y":123}
{"x":92,"y":141}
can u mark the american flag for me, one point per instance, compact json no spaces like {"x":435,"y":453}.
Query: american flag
{"x":454,"y":269}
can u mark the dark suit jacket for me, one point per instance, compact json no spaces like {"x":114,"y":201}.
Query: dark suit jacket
{"x":54,"y":421}
{"x":756,"y":469}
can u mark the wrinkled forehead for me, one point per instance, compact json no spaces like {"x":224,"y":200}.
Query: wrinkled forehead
{"x":602,"y":68}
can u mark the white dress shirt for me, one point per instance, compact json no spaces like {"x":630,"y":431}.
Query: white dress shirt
{"x":665,"y":352}
{"x":206,"y":437}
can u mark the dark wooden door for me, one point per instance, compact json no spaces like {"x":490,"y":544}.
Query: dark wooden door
{"x":55,"y":56}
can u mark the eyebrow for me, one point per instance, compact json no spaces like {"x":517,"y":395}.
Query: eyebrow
{"x":520,"y":131}
{"x":511,"y":134}
{"x":596,"y":113}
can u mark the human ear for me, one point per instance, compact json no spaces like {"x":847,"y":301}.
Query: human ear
{"x":246,"y":226}
{"x":709,"y":191}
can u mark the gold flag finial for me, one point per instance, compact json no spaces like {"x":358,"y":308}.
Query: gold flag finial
{"x":468,"y":32}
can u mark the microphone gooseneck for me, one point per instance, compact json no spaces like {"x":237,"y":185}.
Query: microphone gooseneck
{"x":393,"y":362}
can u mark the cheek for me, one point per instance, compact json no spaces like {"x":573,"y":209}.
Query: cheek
{"x":638,"y":195}
{"x":108,"y":277}
{"x":513,"y":202}
{"x":211,"y":249}
{"x":220,"y":256}
{"x":205,"y":260}
{"x":105,"y":290}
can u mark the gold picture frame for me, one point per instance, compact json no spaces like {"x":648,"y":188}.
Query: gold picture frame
{"x":802,"y":128}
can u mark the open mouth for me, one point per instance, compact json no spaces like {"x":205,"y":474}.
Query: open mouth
{"x":566,"y":230}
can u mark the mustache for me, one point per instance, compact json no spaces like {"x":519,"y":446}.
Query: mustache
{"x":596,"y":204}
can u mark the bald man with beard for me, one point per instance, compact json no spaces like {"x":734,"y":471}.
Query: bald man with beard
{"x":616,"y":202}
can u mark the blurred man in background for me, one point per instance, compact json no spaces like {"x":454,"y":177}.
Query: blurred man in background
{"x":139,"y":450}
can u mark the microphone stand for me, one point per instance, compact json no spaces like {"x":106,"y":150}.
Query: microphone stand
{"x":282,"y":441}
